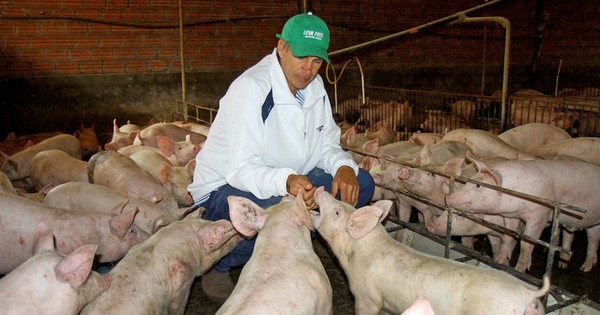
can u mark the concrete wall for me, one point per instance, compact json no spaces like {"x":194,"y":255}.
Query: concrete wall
{"x":71,"y":62}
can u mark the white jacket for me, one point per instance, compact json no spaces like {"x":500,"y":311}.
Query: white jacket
{"x":256,"y":156}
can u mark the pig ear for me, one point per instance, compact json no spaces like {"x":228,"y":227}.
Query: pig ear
{"x":247,"y":217}
{"x":424,"y":156}
{"x":188,"y":212}
{"x":191,"y":166}
{"x":362,"y":221}
{"x":454,"y":166}
{"x":43,"y":239}
{"x":213,"y":235}
{"x":495,"y":177}
{"x":118,"y":208}
{"x":121,"y":223}
{"x":165,"y":144}
{"x":159,"y":223}
{"x":76,"y":267}
{"x":165,"y":173}
{"x":371,"y":146}
{"x":299,"y":212}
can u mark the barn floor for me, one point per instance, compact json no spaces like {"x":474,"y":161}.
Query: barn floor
{"x":571,"y":279}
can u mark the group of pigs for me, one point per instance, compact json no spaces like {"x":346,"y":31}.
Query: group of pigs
{"x":60,"y":215}
{"x":534,"y":159}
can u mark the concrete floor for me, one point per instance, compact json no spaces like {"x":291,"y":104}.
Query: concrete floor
{"x":571,"y":279}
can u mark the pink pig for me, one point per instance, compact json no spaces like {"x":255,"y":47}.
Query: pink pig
{"x":155,"y":277}
{"x":384,"y":274}
{"x":114,"y":234}
{"x":50,"y":283}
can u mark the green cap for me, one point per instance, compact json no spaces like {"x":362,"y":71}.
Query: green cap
{"x":307,"y":35}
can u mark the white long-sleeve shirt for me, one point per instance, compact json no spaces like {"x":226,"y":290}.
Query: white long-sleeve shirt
{"x":256,"y":156}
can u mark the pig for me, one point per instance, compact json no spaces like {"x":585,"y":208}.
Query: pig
{"x":16,"y":167}
{"x":51,"y":283}
{"x":88,"y":139}
{"x":93,"y":197}
{"x":174,"y":178}
{"x":485,"y":144}
{"x":384,"y":133}
{"x":531,"y":106}
{"x":553,"y":180}
{"x":502,"y":244}
{"x":439,"y":122}
{"x":195,"y":127}
{"x":401,"y":274}
{"x":156,"y":276}
{"x":277,"y":280}
{"x":147,"y":136}
{"x":528,"y":136}
{"x":351,"y":140}
{"x":465,"y":109}
{"x":114,"y":234}
{"x":423,"y":138}
{"x":54,"y":167}
{"x":114,"y":170}
{"x":584,"y":148}
{"x":9,"y":146}
{"x":121,"y":139}
{"x":179,"y":153}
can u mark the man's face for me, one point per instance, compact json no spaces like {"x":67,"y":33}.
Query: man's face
{"x":299,"y":71}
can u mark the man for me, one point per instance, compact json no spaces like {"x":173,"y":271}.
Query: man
{"x":273,"y":135}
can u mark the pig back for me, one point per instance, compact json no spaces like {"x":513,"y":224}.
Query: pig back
{"x":114,"y":170}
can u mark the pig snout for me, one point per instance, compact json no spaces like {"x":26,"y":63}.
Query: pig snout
{"x":403,"y":173}
{"x":432,"y":228}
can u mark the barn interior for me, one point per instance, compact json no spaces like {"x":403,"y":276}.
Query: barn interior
{"x":70,"y":64}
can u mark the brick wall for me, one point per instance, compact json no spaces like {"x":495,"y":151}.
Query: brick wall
{"x":77,"y":37}
{"x":91,"y":61}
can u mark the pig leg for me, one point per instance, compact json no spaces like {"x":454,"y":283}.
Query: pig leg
{"x":593,"y":238}
{"x":404,"y":211}
{"x":567,"y":241}
{"x":533,"y":229}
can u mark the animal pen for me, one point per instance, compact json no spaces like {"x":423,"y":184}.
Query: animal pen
{"x":406,"y":111}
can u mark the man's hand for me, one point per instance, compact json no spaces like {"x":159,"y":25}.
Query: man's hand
{"x":346,"y":184}
{"x":295,"y":183}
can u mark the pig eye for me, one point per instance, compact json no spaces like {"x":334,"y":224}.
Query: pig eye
{"x":132,"y":231}
{"x":337,"y":213}
{"x":478,"y":186}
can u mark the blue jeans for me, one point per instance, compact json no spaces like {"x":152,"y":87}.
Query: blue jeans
{"x":218,"y":208}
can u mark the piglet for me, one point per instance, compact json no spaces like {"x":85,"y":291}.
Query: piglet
{"x":114,"y":234}
{"x":284,"y":275}
{"x":384,"y":274}
{"x":155,"y":277}
{"x":93,"y":197}
{"x":51,"y":283}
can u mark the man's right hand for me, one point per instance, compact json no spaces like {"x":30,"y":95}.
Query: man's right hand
{"x":295,"y":183}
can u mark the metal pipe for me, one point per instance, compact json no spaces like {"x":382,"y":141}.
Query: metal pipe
{"x":182,"y":61}
{"x":415,"y":30}
{"x":506,"y":24}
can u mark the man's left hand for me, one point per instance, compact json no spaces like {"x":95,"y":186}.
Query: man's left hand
{"x":346,"y":184}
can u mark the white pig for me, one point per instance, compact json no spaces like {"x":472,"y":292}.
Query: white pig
{"x":174,"y":178}
{"x":114,"y":234}
{"x":16,"y":167}
{"x":54,"y":167}
{"x":93,"y":197}
{"x":528,"y":136}
{"x":114,"y":170}
{"x":50,"y":283}
{"x":485,"y":144}
{"x":555,"y":180}
{"x":284,"y":275}
{"x":384,"y":274}
{"x":155,"y":277}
